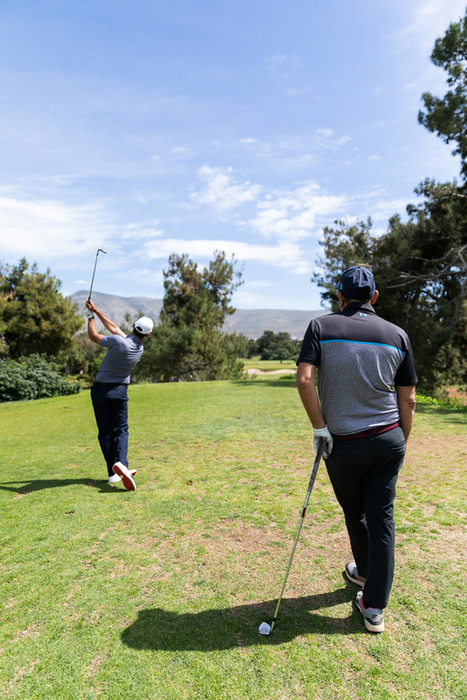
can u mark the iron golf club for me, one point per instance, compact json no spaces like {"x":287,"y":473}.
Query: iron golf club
{"x":99,"y":250}
{"x":264,"y":627}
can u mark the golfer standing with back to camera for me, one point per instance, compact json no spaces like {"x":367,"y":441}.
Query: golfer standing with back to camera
{"x":365,"y":409}
{"x":109,"y":391}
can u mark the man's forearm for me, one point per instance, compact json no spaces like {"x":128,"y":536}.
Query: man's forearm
{"x":406,"y":402}
{"x":308,"y":394}
{"x":92,"y":332}
{"x":110,"y":325}
{"x":406,"y":417}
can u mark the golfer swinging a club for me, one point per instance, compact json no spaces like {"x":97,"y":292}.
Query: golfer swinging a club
{"x":365,"y":409}
{"x":109,"y":391}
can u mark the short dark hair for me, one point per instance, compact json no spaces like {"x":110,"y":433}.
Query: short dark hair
{"x":364,"y":300}
{"x":138,"y":334}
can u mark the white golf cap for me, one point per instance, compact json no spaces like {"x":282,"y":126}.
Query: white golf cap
{"x":144,"y":325}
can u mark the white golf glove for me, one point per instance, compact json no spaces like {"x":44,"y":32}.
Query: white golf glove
{"x":89,"y":314}
{"x":319,"y":433}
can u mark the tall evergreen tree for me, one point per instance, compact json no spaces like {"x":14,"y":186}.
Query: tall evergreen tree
{"x":420,"y":271}
{"x":447,"y":116}
{"x":34,"y":317}
{"x":188,"y":344}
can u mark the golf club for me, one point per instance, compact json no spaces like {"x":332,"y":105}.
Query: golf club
{"x":99,"y":250}
{"x":264,"y":627}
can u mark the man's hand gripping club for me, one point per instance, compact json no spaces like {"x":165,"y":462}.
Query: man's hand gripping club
{"x":319,"y":433}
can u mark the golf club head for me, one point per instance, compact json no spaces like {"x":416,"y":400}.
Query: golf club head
{"x":265,"y":629}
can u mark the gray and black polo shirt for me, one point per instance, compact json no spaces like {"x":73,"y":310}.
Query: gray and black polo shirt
{"x":122,"y":356}
{"x":360,"y":359}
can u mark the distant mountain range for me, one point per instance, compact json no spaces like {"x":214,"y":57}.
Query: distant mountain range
{"x":251,"y":323}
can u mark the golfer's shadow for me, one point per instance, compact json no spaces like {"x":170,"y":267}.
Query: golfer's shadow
{"x":23,"y":488}
{"x":226,"y":628}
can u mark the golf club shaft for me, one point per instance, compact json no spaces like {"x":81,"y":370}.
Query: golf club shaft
{"x":99,"y":250}
{"x":319,"y":454}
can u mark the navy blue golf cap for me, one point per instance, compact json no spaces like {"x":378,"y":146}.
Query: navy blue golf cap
{"x":357,"y":283}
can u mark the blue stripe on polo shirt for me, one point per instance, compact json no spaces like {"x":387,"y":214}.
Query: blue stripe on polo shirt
{"x":361,"y":342}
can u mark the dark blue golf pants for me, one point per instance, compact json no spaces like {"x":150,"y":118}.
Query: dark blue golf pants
{"x":364,"y":474}
{"x":110,"y":403}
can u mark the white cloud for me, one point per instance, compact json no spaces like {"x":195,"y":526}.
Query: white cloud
{"x":182,"y":152}
{"x":254,"y":294}
{"x":423,"y":22}
{"x":257,"y":284}
{"x":284,"y":254}
{"x":35,"y":228}
{"x":287,"y":215}
{"x":282,"y":62}
{"x":378,"y":205}
{"x":221,"y":191}
{"x":144,"y":276}
{"x":427,"y":20}
{"x":138,"y":231}
{"x":293,"y":215}
{"x":297,"y":91}
{"x":326,"y":139}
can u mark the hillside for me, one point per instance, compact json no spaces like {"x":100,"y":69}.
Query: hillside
{"x":251,"y":323}
{"x":116,"y":307}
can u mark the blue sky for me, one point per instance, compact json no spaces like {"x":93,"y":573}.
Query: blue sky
{"x":148,"y":127}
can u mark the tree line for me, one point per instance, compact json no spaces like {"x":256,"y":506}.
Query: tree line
{"x":43,"y":342}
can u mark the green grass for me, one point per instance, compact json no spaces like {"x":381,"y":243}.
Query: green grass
{"x":159,"y":593}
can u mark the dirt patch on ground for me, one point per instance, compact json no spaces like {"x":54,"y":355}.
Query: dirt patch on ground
{"x":433,"y":449}
{"x":455,"y":393}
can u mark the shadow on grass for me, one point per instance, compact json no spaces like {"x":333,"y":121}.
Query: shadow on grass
{"x":227,"y":628}
{"x":266,"y":382}
{"x":24,"y":487}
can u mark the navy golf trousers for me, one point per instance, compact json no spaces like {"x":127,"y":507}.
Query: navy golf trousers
{"x":364,"y":474}
{"x":110,"y":403}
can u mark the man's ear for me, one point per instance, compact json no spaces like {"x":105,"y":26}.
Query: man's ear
{"x":375,"y":296}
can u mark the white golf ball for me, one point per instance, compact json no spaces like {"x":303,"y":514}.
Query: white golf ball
{"x":264,"y":628}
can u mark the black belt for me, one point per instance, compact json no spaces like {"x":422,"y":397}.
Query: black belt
{"x":372,"y":432}
{"x":110,"y":384}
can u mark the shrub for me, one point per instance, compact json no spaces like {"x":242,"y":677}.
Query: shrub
{"x":33,"y":377}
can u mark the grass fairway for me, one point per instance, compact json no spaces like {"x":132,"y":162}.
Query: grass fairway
{"x":158,"y":594}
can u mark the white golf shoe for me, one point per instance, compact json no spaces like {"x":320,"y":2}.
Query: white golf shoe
{"x":126,"y":475}
{"x":114,"y":479}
